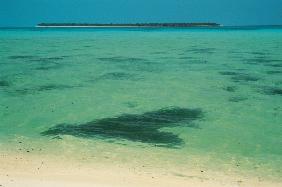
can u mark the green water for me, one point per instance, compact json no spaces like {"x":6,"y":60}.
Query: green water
{"x":84,"y":77}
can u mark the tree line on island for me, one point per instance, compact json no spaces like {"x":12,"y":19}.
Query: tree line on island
{"x":129,"y":24}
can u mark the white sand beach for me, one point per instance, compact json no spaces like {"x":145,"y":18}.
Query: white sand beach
{"x":31,"y":171}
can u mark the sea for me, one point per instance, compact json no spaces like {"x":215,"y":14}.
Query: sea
{"x":172,"y":99}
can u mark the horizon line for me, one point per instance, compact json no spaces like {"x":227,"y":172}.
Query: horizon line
{"x":247,"y":25}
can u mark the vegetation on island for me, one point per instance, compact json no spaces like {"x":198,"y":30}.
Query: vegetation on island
{"x":128,"y":25}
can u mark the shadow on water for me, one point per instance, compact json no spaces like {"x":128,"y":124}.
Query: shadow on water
{"x":122,"y":59}
{"x":42,"y":63}
{"x":186,"y":58}
{"x":228,"y":73}
{"x":275,"y":65}
{"x":130,"y":104}
{"x":47,"y":59}
{"x":46,"y":68}
{"x":236,"y":99}
{"x":15,"y":57}
{"x":256,"y":57}
{"x":49,"y":65}
{"x":259,"y":53}
{"x":118,"y":76}
{"x":143,"y":128}
{"x":274,"y":72}
{"x":4,"y":83}
{"x":191,"y":60}
{"x":130,"y":63}
{"x":244,"y":77}
{"x":263,"y":60}
{"x":230,"y":88}
{"x":38,"y":89}
{"x":35,"y":58}
{"x":271,"y":90}
{"x":198,"y":50}
{"x":238,"y":77}
{"x":159,"y":53}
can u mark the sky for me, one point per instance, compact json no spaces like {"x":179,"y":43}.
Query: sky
{"x":23,"y":13}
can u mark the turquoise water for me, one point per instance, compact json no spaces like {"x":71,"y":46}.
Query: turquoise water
{"x":183,"y":98}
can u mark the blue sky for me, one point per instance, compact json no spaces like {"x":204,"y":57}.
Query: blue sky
{"x":227,"y":12}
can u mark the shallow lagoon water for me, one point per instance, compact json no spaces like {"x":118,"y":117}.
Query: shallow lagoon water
{"x":183,"y":98}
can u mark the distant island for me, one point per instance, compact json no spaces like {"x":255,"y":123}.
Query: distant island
{"x":152,"y":25}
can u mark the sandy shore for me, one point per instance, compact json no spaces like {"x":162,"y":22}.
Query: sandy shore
{"x":27,"y":170}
